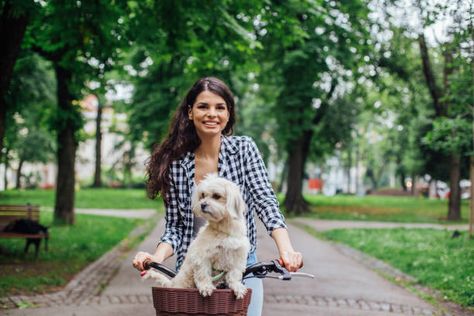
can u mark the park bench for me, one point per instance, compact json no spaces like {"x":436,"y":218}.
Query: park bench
{"x":24,"y":221}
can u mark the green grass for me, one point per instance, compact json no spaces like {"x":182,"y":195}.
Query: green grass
{"x":85,"y":198}
{"x":434,"y":258}
{"x":71,"y":248}
{"x":382,"y":208}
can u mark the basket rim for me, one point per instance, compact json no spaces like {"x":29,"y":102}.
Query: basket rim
{"x":189,"y":301}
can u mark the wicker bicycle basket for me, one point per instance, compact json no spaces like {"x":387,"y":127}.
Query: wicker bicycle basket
{"x":177,"y":302}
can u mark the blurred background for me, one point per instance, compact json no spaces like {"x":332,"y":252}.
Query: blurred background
{"x":343,"y":98}
{"x":362,"y":110}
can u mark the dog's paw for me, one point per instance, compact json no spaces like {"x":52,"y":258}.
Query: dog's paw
{"x":206,"y":290}
{"x":239,"y":290}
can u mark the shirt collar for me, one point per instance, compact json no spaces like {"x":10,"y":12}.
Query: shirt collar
{"x":228,"y":147}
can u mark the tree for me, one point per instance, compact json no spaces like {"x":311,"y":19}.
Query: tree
{"x":98,"y":144}
{"x":80,"y":39}
{"x":14,"y":17}
{"x":444,"y":97}
{"x":35,"y":146}
{"x":315,"y":49}
{"x":30,"y":101}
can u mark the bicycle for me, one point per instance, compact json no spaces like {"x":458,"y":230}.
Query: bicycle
{"x":176,"y":301}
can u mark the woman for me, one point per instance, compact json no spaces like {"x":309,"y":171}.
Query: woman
{"x":199,"y":143}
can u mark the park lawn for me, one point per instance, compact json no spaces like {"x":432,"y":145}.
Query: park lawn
{"x":105,"y":198}
{"x":382,"y":208}
{"x":431,"y":256}
{"x":71,"y":248}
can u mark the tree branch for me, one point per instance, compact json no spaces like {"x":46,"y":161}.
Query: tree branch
{"x":324,"y":103}
{"x":430,"y":79}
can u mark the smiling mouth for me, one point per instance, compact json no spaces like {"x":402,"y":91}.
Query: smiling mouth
{"x":211,"y":124}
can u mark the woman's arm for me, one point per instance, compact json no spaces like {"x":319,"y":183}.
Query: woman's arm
{"x":292,"y":260}
{"x":172,"y":236}
{"x":268,"y":209}
{"x":260,"y":189}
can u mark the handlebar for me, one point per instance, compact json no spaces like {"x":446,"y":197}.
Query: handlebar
{"x":259,"y":270}
{"x":160,"y":267}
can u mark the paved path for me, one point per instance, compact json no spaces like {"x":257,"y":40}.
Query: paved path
{"x":343,"y":286}
{"x":323,"y":225}
{"x":140,"y":213}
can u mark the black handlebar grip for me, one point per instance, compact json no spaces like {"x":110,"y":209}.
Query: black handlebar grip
{"x":160,"y":267}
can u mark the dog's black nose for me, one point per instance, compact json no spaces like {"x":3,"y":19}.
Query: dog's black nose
{"x":204,"y":206}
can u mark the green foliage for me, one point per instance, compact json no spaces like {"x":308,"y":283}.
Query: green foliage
{"x":311,"y":54}
{"x":71,"y":248}
{"x":213,"y":40}
{"x":450,"y":135}
{"x":431,"y":256}
{"x":30,"y":103}
{"x":81,"y":39}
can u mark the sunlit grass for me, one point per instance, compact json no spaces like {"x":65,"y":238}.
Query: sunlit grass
{"x":71,"y":248}
{"x":431,"y":256}
{"x":382,"y":208}
{"x":85,"y":198}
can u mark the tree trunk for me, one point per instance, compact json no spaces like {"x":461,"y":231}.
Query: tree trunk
{"x":294,"y":200}
{"x":413,"y":184}
{"x":18,"y":174}
{"x":402,"y":181}
{"x":454,"y":210}
{"x":357,"y":175}
{"x":471,"y":218}
{"x":6,"y":164}
{"x":297,"y":154}
{"x":127,"y":167}
{"x":66,"y":154}
{"x":98,"y":148}
{"x":12,"y":31}
{"x":349,"y":166}
{"x":283,"y":177}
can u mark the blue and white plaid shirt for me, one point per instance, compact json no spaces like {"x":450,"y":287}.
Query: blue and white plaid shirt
{"x":239,"y":162}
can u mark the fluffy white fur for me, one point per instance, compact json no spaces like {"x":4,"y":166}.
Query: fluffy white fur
{"x":221,"y":244}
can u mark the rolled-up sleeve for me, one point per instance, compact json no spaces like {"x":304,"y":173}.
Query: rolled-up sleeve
{"x":174,"y":224}
{"x":256,"y":179}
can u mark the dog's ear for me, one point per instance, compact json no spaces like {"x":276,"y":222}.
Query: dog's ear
{"x":235,"y":203}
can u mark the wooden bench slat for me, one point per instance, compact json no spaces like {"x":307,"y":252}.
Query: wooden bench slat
{"x":20,"y":235}
{"x":18,"y":213}
{"x":18,"y":208}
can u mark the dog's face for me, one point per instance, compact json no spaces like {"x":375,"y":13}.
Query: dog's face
{"x":217,"y":198}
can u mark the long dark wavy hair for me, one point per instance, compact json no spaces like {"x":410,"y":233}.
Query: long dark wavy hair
{"x":182,"y":136}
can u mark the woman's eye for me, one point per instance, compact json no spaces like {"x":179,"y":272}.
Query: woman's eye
{"x":216,"y":196}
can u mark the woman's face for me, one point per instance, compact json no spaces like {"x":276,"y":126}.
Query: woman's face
{"x":209,"y":114}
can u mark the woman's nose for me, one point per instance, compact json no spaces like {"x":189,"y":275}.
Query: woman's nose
{"x":212,"y":112}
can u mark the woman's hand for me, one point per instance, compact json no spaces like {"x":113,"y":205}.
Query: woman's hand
{"x":142,"y":257}
{"x":292,"y":260}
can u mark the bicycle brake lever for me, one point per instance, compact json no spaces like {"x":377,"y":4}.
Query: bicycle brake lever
{"x":302,"y":274}
{"x":285,"y":275}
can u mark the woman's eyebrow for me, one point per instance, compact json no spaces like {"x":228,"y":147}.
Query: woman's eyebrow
{"x":205,"y":103}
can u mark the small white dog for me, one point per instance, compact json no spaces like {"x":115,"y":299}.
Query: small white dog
{"x":220,"y":246}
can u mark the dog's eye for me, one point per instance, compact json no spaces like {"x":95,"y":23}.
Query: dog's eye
{"x":202,"y":195}
{"x":216,"y":196}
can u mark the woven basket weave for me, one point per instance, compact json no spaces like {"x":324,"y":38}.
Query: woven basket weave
{"x":178,"y":302}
